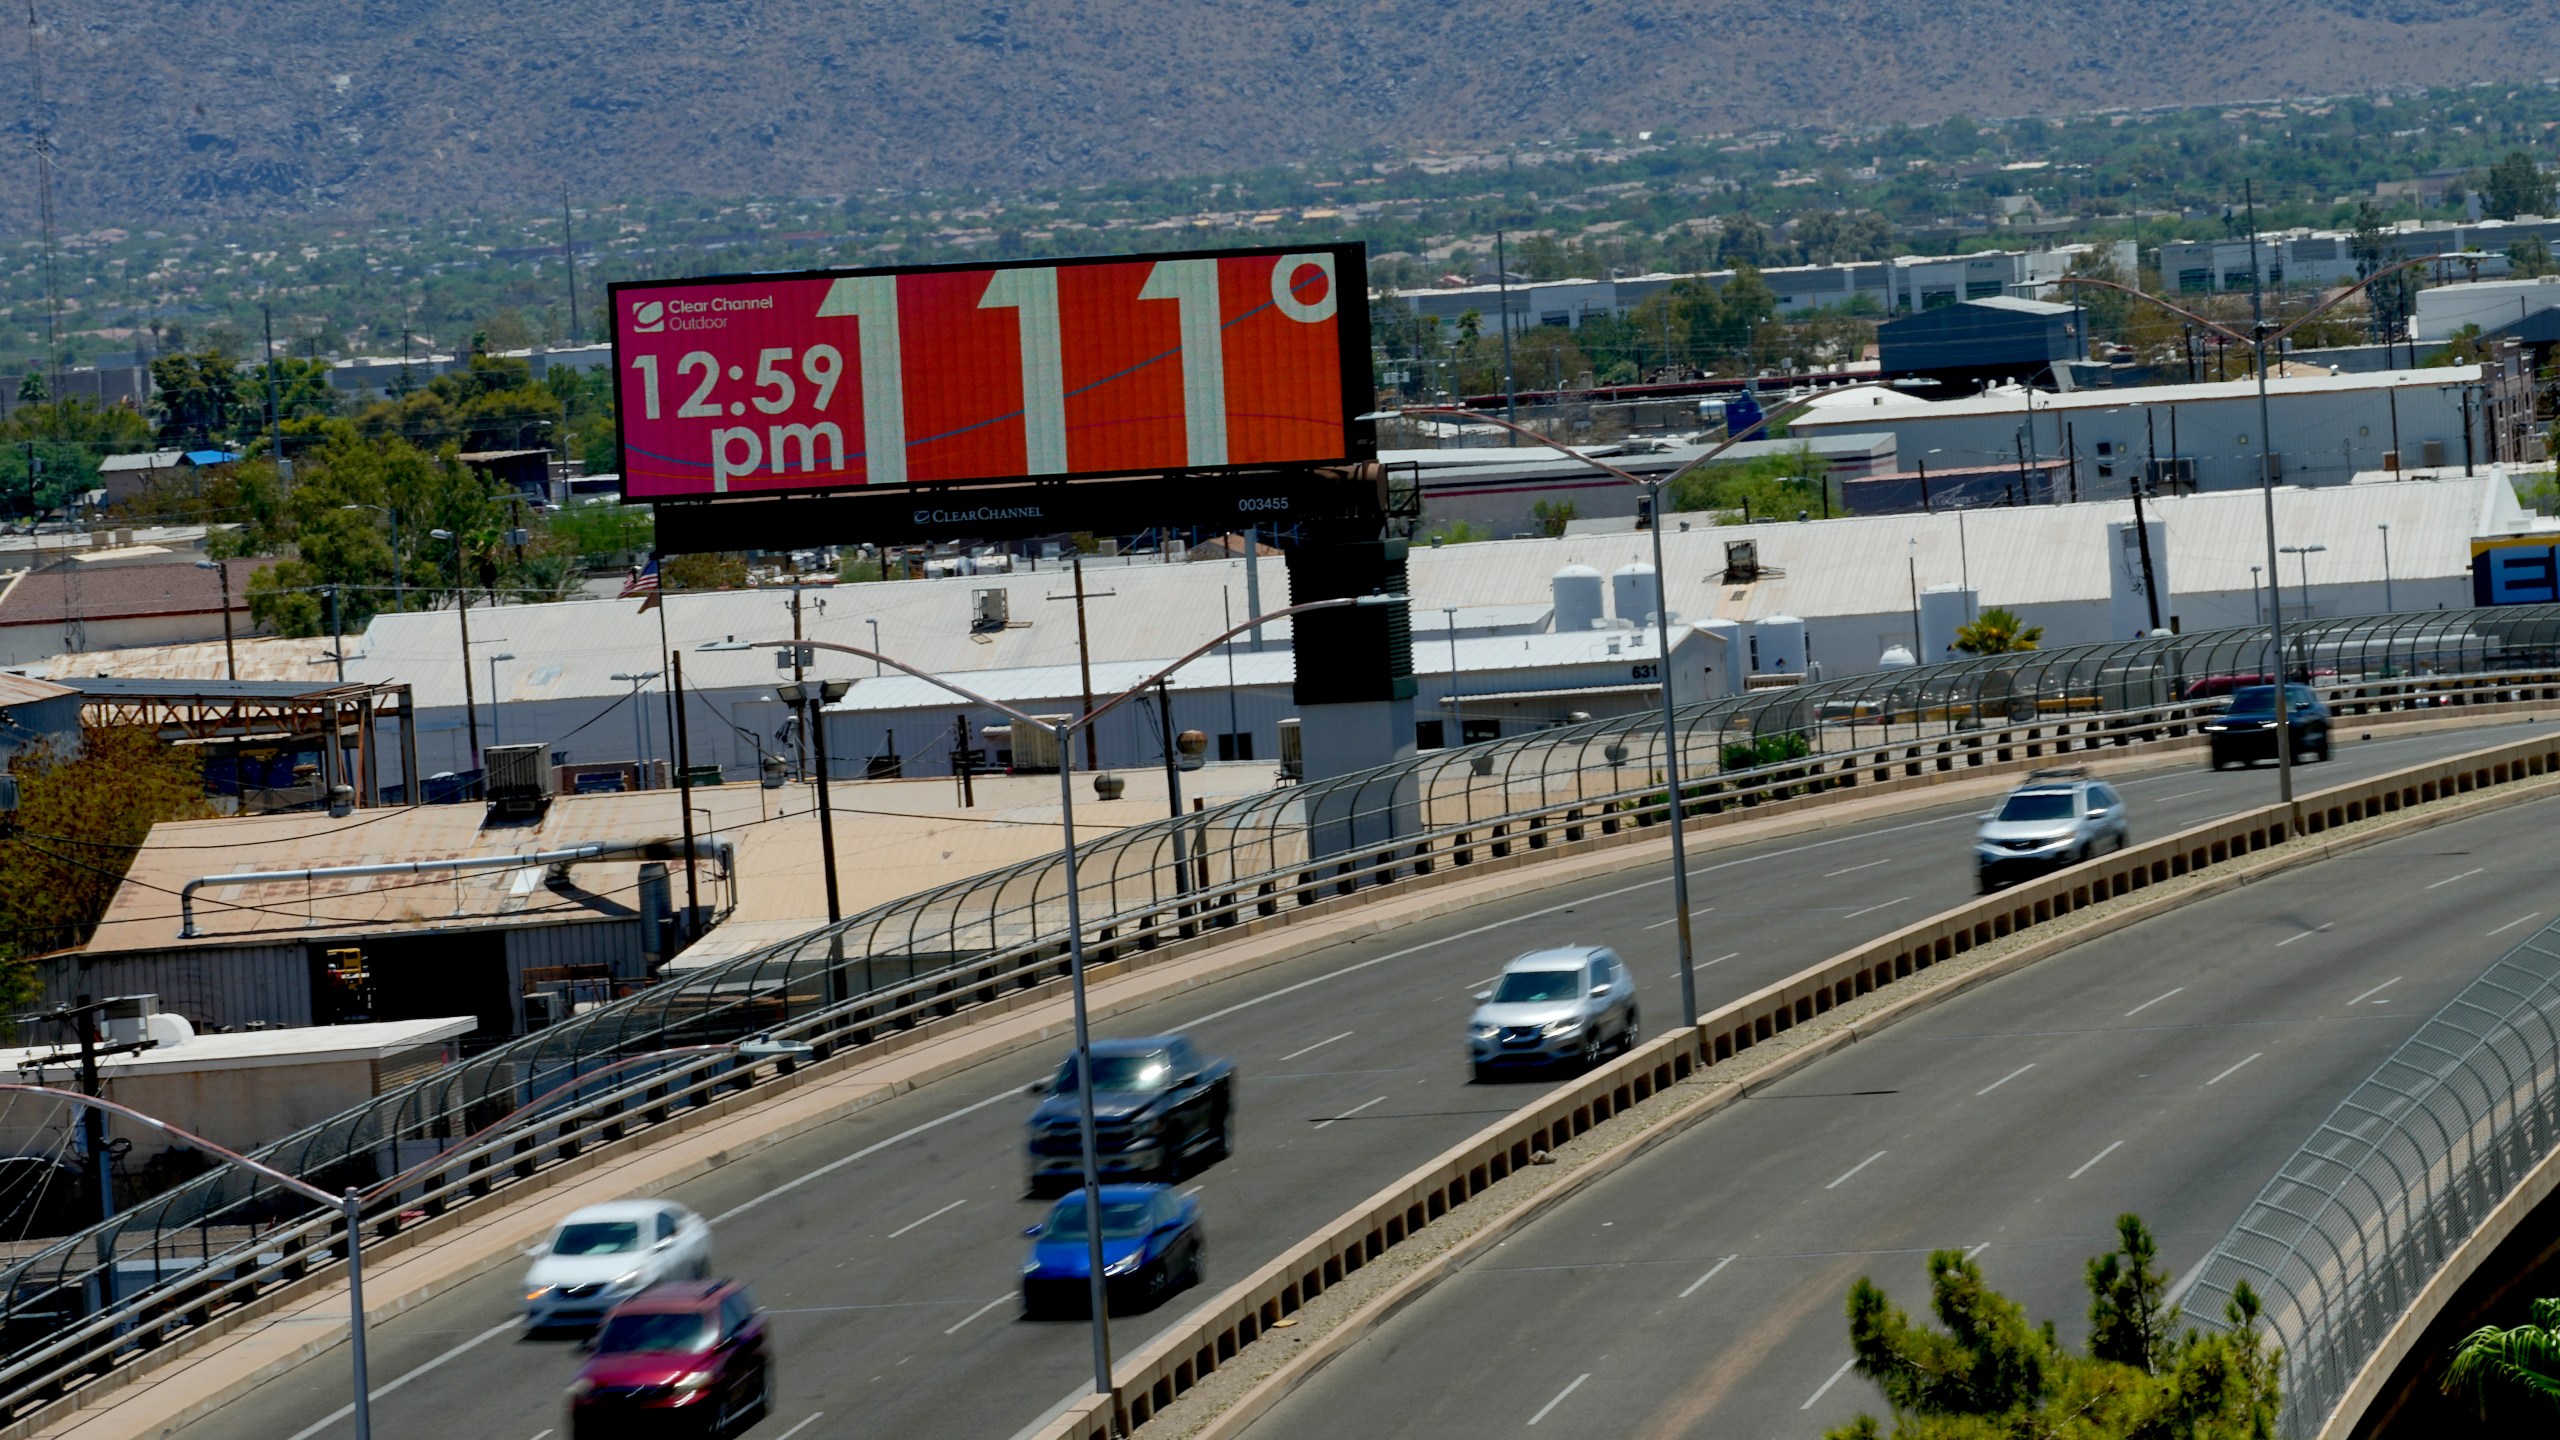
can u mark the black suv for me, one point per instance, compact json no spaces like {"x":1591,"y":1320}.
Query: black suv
{"x":2246,"y":729}
{"x":1158,"y":1102}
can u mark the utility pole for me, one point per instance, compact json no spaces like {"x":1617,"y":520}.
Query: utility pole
{"x":1173,"y":787}
{"x":2267,"y":491}
{"x":82,"y":1016}
{"x":1510,"y":387}
{"x":684,"y":795}
{"x":275,"y":410}
{"x":2142,"y":527}
{"x":1084,"y":660}
{"x":800,"y":740}
{"x":569,"y":259}
{"x":338,"y":637}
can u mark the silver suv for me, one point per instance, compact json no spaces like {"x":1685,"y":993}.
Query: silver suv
{"x":2057,"y":818}
{"x":1573,"y":1004}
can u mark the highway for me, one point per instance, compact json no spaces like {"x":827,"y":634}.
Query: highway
{"x":2167,"y":1069}
{"x":887,"y":1244}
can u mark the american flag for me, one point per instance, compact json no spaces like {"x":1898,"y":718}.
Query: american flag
{"x":643,"y":583}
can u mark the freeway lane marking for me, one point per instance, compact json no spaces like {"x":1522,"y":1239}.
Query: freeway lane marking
{"x":1854,"y":1169}
{"x":1354,"y":1110}
{"x":343,"y":1411}
{"x":2094,"y":1159}
{"x":2465,"y":875}
{"x":910,"y":1225}
{"x":2003,"y":1080}
{"x":1854,"y":869}
{"x":2510,"y":925}
{"x":865,"y":1153}
{"x":2165,"y":799}
{"x":1978,"y":1249}
{"x":542,"y":1434}
{"x":1294,"y":1054}
{"x":2154,"y":1000}
{"x":1674,"y":920}
{"x":1827,"y":1384}
{"x":1728,"y":955}
{"x":972,"y":1315}
{"x":1569,"y":1389}
{"x":796,"y":1429}
{"x":1870,"y":910}
{"x":2378,"y":989}
{"x":1710,"y":1275}
{"x":2234,"y":1070}
{"x":2301,"y":935}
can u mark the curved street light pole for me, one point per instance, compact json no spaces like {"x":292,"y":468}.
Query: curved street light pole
{"x":1657,"y":488}
{"x":1097,"y":1292}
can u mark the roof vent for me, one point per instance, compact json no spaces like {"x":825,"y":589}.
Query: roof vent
{"x":519,"y":781}
{"x":989,"y":610}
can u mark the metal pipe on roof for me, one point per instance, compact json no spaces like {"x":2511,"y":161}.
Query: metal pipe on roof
{"x":660,"y":848}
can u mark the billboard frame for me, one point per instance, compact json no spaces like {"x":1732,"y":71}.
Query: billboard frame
{"x":874,"y":507}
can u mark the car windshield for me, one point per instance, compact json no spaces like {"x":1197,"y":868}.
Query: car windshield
{"x":2261,"y":699}
{"x":681,"y":1331}
{"x":1120,"y":1218}
{"x":1527,"y":987}
{"x":1151,"y":1071}
{"x":2038,"y":805}
{"x":597,"y":1237}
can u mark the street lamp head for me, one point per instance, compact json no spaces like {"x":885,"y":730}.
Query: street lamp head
{"x":831,"y":691}
{"x":441,"y":534}
{"x":791,"y":692}
{"x":502,"y":655}
{"x":208,"y":564}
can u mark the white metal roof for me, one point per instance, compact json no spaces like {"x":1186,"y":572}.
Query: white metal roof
{"x":1882,"y":407}
{"x":246,"y":1049}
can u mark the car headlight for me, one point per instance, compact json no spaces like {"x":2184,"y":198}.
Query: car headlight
{"x":1123,"y":1265}
{"x":1481,"y":1031}
{"x":580,"y":1387}
{"x":2216,"y":728}
{"x":1030,"y":1267}
{"x":694,"y":1380}
{"x":627,"y":1280}
{"x":537,"y":1292}
{"x":1562,"y":1027}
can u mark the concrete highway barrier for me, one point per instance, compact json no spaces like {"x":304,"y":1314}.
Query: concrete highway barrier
{"x":1222,"y":1330}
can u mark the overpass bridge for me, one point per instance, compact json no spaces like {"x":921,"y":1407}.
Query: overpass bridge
{"x":864,"y":1231}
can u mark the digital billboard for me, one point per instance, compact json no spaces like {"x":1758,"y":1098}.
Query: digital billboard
{"x":2514,"y":570}
{"x":1192,"y":365}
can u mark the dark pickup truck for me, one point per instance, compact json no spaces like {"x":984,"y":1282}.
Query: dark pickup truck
{"x":1159,"y":1103}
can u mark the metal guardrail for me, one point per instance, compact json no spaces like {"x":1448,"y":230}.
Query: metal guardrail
{"x":80,"y":1306}
{"x":1156,"y":1373}
{"x":2362,"y":1218}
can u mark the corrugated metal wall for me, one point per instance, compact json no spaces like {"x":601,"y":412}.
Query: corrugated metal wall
{"x":211,"y":985}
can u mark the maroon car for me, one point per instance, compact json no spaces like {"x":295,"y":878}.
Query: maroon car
{"x":684,"y":1359}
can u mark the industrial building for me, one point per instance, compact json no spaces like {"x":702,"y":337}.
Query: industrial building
{"x":1498,"y":488}
{"x":1961,"y":348}
{"x":2327,"y":428}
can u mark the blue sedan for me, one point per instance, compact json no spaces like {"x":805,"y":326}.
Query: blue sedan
{"x":1151,"y":1244}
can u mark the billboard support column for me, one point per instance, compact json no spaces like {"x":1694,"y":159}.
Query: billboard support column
{"x":1354,"y":688}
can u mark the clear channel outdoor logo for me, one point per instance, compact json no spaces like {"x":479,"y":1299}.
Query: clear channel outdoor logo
{"x":648,"y":317}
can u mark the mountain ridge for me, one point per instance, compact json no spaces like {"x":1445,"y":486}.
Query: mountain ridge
{"x":169,"y":109}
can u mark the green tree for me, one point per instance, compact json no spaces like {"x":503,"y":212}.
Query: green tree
{"x":1988,"y":1372}
{"x":2129,"y":1321}
{"x":31,"y":389}
{"x":2516,"y":187}
{"x":198,"y":396}
{"x":2515,"y":1371}
{"x":1772,"y":487}
{"x":492,"y":403}
{"x":2529,"y":257}
{"x":303,"y":399}
{"x":1552,"y":516}
{"x":1997,"y":632}
{"x":711,"y":570}
{"x":80,"y":814}
{"x":50,"y":451}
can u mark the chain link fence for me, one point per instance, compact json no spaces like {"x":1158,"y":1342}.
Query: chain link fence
{"x":2366,"y":1213}
{"x":74,"y":1307}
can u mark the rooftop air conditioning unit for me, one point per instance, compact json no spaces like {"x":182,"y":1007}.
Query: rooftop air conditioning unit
{"x":1293,"y":752}
{"x":989,"y":610}
{"x":1035,"y":747}
{"x":1741,"y":561}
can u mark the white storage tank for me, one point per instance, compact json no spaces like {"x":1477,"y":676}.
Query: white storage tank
{"x":1896,"y":657}
{"x":1577,"y":592}
{"x":1633,"y":594}
{"x":1944,"y":609}
{"x":1777,"y":646}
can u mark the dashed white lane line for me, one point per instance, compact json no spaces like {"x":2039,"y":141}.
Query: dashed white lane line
{"x":1870,"y":910}
{"x":2234,"y":1070}
{"x":2093,"y":1160}
{"x":2510,"y":925}
{"x":910,"y":1225}
{"x":1329,"y":1039}
{"x":1854,"y":1169}
{"x":1827,"y":1384}
{"x":1569,"y":1389}
{"x":1854,"y":869}
{"x":1728,"y":955}
{"x":974,"y":1314}
{"x":542,"y":1434}
{"x":1674,"y":920}
{"x":2378,"y":989}
{"x":2005,"y":1079}
{"x":342,"y":1412}
{"x":2465,"y":875}
{"x":796,"y":1429}
{"x":1710,"y":1275}
{"x":2301,"y":935}
{"x":1978,"y":1249}
{"x":1354,"y":1110}
{"x":2154,"y":1000}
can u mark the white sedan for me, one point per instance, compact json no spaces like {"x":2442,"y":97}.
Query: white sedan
{"x":605,"y":1254}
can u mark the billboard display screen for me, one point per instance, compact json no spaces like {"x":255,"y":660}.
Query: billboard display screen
{"x":849,"y":380}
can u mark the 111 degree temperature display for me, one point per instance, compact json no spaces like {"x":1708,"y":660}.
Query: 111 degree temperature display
{"x":1123,"y":366}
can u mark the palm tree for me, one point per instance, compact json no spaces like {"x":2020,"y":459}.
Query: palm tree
{"x":2525,"y":1358}
{"x":1997,"y":632}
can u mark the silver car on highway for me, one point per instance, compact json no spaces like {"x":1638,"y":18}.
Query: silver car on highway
{"x":2059,"y":817}
{"x":1573,"y":1004}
